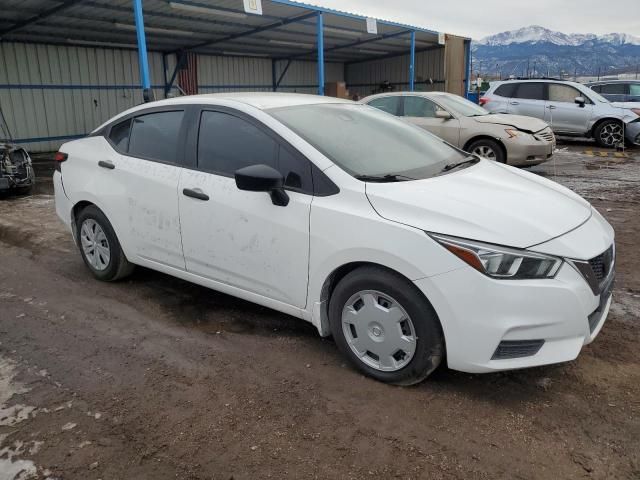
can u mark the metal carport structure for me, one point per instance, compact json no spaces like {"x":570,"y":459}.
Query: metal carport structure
{"x":232,"y":48}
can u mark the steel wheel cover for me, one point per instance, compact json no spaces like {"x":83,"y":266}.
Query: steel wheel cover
{"x":95,"y":245}
{"x":378,"y":330}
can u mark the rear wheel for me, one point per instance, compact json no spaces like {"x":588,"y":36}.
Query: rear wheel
{"x":385,"y":326}
{"x":489,"y":149}
{"x":609,"y":134}
{"x":99,"y":246}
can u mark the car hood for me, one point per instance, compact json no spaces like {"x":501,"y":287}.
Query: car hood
{"x":488,"y":202}
{"x":527,"y":124}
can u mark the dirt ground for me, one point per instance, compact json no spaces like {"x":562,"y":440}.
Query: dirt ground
{"x":154,"y":378}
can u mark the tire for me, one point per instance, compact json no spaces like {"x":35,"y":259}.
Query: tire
{"x":493,"y":150}
{"x":410,"y":329}
{"x":609,"y":134}
{"x":95,"y":234}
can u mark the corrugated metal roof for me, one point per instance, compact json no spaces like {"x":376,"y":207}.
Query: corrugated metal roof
{"x":287,"y":29}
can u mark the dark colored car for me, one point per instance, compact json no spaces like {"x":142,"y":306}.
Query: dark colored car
{"x":16,"y":171}
{"x":617,"y":90}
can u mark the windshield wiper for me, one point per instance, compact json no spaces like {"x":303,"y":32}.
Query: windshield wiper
{"x":468,"y":161}
{"x":391,"y":177}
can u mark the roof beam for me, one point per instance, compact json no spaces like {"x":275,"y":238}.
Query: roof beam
{"x":253,"y":31}
{"x":39,"y":16}
{"x":354,"y":44}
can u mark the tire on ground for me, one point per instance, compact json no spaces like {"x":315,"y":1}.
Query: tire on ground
{"x":430,"y":342}
{"x":601,"y":134}
{"x":493,"y":145}
{"x":118,"y":266}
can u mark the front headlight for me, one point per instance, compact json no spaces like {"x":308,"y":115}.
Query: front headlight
{"x":501,"y":262}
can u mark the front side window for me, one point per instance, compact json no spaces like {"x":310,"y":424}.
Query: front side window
{"x":154,"y":136}
{"x":366,"y":142}
{"x":387,"y":104}
{"x":530,"y":91}
{"x":419,"y":107}
{"x":563,"y":93}
{"x":227,"y":143}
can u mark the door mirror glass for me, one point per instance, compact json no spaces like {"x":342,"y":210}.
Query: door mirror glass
{"x":263,"y":178}
{"x":443,"y":114}
{"x":580,"y":101}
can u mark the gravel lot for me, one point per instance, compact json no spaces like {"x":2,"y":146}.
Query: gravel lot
{"x":155,"y":378}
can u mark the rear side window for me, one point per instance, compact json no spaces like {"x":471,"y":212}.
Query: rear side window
{"x":634,"y":89}
{"x":387,"y":104}
{"x":155,"y":136}
{"x":530,"y":91}
{"x":614,"y":89}
{"x":119,"y":135}
{"x":227,"y":143}
{"x":506,"y":90}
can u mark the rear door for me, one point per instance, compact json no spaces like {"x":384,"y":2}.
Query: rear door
{"x":140,"y":183}
{"x":529,"y":99}
{"x":241,"y":238}
{"x":421,"y":111}
{"x":563,"y":113}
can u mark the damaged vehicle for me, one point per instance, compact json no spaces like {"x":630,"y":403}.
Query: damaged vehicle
{"x":512,"y":139}
{"x":16,"y":170}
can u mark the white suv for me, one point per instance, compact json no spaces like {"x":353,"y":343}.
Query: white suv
{"x":402,"y":247}
{"x":570,"y":108}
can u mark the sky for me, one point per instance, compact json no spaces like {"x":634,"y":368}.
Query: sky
{"x":477,"y":19}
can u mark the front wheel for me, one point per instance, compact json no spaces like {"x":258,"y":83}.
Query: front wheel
{"x":489,"y":149}
{"x":609,"y":134}
{"x":384,"y":325}
{"x":99,"y":246}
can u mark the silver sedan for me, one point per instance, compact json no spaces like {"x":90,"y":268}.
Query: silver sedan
{"x":512,"y":139}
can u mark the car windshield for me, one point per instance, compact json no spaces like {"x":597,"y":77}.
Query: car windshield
{"x":460,"y":105}
{"x":368,"y":143}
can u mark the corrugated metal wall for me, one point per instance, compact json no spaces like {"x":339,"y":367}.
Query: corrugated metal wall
{"x":56,"y":92}
{"x":231,"y":74}
{"x":364,"y":78}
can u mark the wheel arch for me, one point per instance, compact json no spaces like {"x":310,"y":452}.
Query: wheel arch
{"x":338,"y":274}
{"x":487,"y":137}
{"x":600,"y":121}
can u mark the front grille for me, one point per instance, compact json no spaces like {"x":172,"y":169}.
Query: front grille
{"x":517,"y":349}
{"x":545,"y":135}
{"x":599,"y":270}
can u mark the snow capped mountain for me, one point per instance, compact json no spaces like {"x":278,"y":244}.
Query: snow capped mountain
{"x":538,"y":34}
{"x":542,"y":51}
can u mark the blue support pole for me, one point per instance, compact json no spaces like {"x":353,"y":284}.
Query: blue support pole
{"x":412,"y":63}
{"x":467,"y":69}
{"x":320,"y":54}
{"x":142,"y":51}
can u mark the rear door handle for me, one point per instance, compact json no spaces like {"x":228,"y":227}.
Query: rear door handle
{"x":515,"y":103}
{"x":552,"y":107}
{"x":195,"y":193}
{"x":108,"y":165}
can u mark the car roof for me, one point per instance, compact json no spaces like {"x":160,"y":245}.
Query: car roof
{"x":405,"y":93}
{"x":606,"y":82}
{"x":260,"y":100}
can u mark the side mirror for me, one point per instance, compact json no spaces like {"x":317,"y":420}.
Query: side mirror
{"x":581,"y":101}
{"x":443,"y":114}
{"x":263,"y":178}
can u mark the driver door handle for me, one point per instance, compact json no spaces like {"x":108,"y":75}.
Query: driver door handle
{"x":552,"y":107}
{"x":195,"y":193}
{"x":514,"y":103}
{"x":106,"y":164}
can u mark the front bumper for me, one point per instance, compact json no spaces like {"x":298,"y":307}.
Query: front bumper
{"x":529,"y":150}
{"x":632,"y":132}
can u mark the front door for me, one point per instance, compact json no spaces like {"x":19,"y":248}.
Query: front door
{"x":563,"y":113}
{"x":422,"y":112}
{"x":237,"y":237}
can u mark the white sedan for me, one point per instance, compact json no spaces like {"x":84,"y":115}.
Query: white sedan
{"x":405,"y":249}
